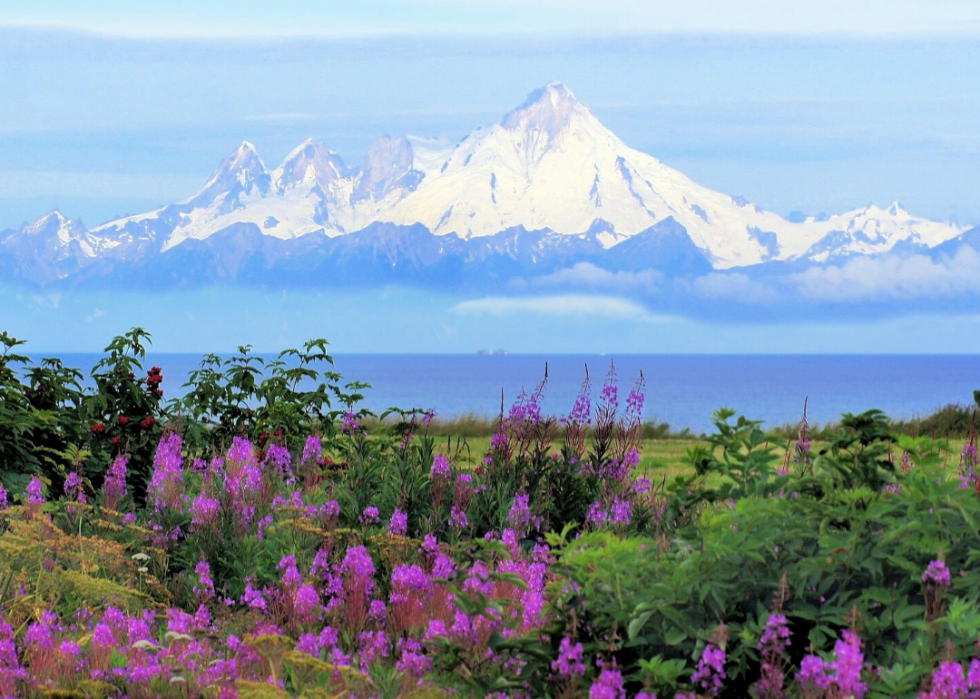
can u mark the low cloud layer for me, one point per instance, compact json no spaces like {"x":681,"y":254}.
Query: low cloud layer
{"x":891,"y":278}
{"x":585,"y":275}
{"x":563,"y":305}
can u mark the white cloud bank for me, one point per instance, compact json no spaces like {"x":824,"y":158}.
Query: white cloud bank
{"x":892,"y":278}
{"x":562,"y":305}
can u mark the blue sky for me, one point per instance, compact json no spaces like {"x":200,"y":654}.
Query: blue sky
{"x":118,"y":107}
{"x":192,"y":18}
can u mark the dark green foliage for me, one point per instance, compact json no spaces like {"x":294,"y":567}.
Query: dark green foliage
{"x":950,"y":421}
{"x":834,"y":551}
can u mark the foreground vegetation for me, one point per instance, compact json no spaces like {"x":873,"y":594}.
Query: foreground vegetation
{"x":255,"y":539}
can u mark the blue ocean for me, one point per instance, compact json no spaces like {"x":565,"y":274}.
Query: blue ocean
{"x":682,"y":390}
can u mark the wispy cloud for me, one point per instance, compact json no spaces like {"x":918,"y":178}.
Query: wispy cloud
{"x":562,"y":305}
{"x":585,"y":275}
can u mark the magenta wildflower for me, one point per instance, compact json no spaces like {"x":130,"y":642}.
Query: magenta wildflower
{"x":312,"y":450}
{"x":370,"y":515}
{"x":73,"y":487}
{"x":253,"y":598}
{"x":204,"y":590}
{"x":711,"y":670}
{"x":114,"y":486}
{"x":290,"y":574}
{"x":205,"y":512}
{"x":167,"y":482}
{"x":608,"y":685}
{"x":937,"y":574}
{"x":306,"y":603}
{"x":848,"y":666}
{"x":457,"y":517}
{"x":350,"y":424}
{"x":440,"y":467}
{"x":569,"y":662}
{"x":620,"y":512}
{"x":814,"y":674}
{"x":398,"y":525}
{"x":948,"y":682}
{"x":775,"y":639}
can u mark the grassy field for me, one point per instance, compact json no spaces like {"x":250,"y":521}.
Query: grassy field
{"x":661,"y":458}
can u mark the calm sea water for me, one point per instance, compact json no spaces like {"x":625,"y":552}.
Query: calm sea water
{"x":682,"y":390}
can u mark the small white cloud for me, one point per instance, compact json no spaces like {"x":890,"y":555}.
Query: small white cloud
{"x":588,"y":275}
{"x":564,"y":305}
{"x":892,"y":278}
{"x":97,"y":313}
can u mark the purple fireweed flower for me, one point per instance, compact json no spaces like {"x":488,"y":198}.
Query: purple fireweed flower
{"x":608,"y":685}
{"x":167,"y":482}
{"x":582,"y":407}
{"x":569,"y":662}
{"x":398,"y":525}
{"x":429,"y":544}
{"x":711,"y":670}
{"x":848,"y":666}
{"x":444,"y":567}
{"x":35,"y":491}
{"x":597,"y":515}
{"x":35,"y":497}
{"x":411,"y":658}
{"x":359,"y":566}
{"x":457,"y":517}
{"x":519,"y":516}
{"x":378,"y":611}
{"x":814,"y":673}
{"x":350,"y":424}
{"x":253,"y":598}
{"x":773,"y":643}
{"x":204,"y":590}
{"x":114,"y":486}
{"x":73,"y":487}
{"x":278,"y":458}
{"x":3,"y":498}
{"x":776,"y":633}
{"x":642,"y":485}
{"x":948,"y":682}
{"x":306,"y":603}
{"x":620,"y":512}
{"x":205,"y":512}
{"x":937,"y":574}
{"x":440,"y":467}
{"x":634,"y":402}
{"x":609,"y":398}
{"x":370,"y":515}
{"x":290,"y":574}
{"x":312,"y":450}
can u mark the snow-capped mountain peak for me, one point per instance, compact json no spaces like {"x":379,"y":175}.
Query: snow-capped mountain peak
{"x":242,"y":172}
{"x":388,"y":167}
{"x":548,"y":110}
{"x":309,"y":164}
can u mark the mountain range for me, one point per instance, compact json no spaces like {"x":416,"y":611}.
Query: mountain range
{"x":546,"y":191}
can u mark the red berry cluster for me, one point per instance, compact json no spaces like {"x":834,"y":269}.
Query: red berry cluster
{"x":153,"y":379}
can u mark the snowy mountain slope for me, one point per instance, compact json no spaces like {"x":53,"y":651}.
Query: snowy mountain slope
{"x":53,"y":247}
{"x":547,"y":179}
